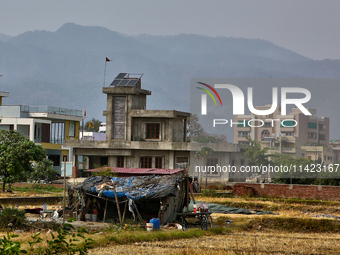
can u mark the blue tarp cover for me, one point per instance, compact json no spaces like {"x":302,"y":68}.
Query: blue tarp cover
{"x":134,"y":187}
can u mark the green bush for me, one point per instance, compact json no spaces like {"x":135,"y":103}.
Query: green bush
{"x":12,"y":218}
{"x":63,"y":243}
{"x":7,"y":246}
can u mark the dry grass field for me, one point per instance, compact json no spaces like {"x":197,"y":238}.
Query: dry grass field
{"x":298,"y":227}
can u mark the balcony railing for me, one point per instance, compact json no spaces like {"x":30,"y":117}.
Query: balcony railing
{"x":56,"y":110}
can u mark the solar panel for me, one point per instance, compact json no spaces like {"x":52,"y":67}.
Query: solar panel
{"x":121,"y":75}
{"x":124,"y":82}
{"x":115,"y":82}
{"x":124,"y":79}
{"x":132,"y":82}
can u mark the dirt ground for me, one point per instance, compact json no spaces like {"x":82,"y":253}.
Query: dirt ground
{"x":241,"y":243}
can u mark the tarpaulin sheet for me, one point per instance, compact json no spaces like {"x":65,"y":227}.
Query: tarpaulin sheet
{"x":217,"y":208}
{"x":134,"y":187}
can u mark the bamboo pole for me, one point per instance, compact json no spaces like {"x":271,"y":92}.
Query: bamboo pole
{"x":187,"y":193}
{"x":192,"y":195}
{"x":105,"y":211}
{"x":138,"y":214}
{"x":124,"y":212}
{"x":118,"y":209}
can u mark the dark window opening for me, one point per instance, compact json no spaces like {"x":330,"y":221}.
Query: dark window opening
{"x":120,"y":161}
{"x":55,"y":159}
{"x":152,"y":131}
{"x":145,"y":162}
{"x":158,"y":162}
{"x":212,"y":162}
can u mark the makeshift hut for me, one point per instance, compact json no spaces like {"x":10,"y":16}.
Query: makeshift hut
{"x":140,"y":194}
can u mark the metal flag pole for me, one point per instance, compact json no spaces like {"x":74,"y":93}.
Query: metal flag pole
{"x":106,"y":60}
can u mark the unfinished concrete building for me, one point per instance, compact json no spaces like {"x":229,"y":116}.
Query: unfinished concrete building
{"x":136,"y":137}
{"x":141,"y":138}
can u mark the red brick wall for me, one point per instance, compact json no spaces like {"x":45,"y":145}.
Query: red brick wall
{"x":287,"y":191}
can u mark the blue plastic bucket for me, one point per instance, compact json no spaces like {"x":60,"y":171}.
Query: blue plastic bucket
{"x":156,"y":223}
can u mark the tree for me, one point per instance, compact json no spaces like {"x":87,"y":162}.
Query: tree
{"x":16,"y":156}
{"x":43,"y":170}
{"x":196,"y":133}
{"x":96,"y":124}
{"x":202,"y":154}
{"x":256,"y":155}
{"x":194,"y":128}
{"x":210,"y":138}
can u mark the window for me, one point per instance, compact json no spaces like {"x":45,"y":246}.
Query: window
{"x":322,"y":127}
{"x":322,"y":137}
{"x":288,"y":133}
{"x":267,"y":124}
{"x":287,"y":123}
{"x":265,"y":133}
{"x":158,"y":162}
{"x":145,"y":162}
{"x":55,"y":159}
{"x":57,"y":134}
{"x":37,"y":132}
{"x":312,"y":125}
{"x":243,"y":133}
{"x":71,"y":129}
{"x":120,"y":161}
{"x":243,"y":123}
{"x":309,"y":157}
{"x":212,"y":162}
{"x":242,"y":162}
{"x":152,"y":131}
{"x":312,"y":135}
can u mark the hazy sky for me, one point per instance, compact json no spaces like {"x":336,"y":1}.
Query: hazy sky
{"x":308,"y":27}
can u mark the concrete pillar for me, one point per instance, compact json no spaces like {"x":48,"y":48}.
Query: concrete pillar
{"x":74,"y":158}
{"x":109,"y":120}
{"x":171,"y":124}
{"x":111,"y":161}
{"x":128,"y":120}
{"x":32,"y":126}
{"x":172,"y":160}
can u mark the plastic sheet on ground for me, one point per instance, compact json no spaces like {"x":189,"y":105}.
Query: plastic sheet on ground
{"x":133,"y":187}
{"x":217,"y":208}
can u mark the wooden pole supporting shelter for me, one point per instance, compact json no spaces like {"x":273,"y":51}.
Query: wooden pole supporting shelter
{"x":123,"y":218}
{"x":187,"y":192}
{"x":118,"y":209}
{"x":105,"y":211}
{"x":138,"y":214}
{"x":192,"y":194}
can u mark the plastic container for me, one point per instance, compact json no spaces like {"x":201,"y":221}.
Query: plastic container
{"x":198,"y":208}
{"x":95,"y":211}
{"x":149,"y":226}
{"x":195,"y":208}
{"x":156,"y":223}
{"x":94,"y":217}
{"x":87,"y":217}
{"x":205,"y":207}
